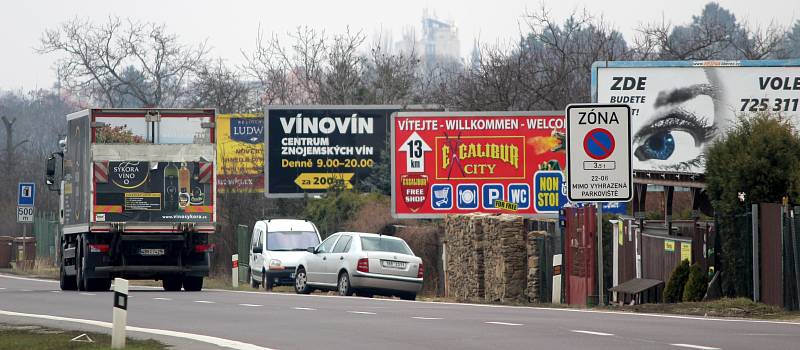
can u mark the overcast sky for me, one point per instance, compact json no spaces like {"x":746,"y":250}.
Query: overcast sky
{"x":230,"y":26}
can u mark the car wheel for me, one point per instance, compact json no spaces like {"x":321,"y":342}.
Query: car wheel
{"x":344,"y":285}
{"x":192,"y":283}
{"x":408,"y":296}
{"x":253,"y":283}
{"x":301,"y":282}
{"x":171,"y":283}
{"x":364,"y":294}
{"x":66,"y":282}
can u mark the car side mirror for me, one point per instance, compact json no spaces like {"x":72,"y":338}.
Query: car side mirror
{"x":311,"y":250}
{"x":258,"y":250}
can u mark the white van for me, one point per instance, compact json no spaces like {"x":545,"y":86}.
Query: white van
{"x":275,"y":248}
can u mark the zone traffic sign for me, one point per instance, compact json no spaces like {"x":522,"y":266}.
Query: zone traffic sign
{"x":599,"y":153}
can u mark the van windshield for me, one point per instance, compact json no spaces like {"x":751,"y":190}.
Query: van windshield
{"x":291,"y":240}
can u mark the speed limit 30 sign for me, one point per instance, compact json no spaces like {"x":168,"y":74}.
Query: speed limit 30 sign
{"x":599,"y":152}
{"x":24,"y":215}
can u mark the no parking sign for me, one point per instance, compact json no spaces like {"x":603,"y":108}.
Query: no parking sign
{"x":599,"y":152}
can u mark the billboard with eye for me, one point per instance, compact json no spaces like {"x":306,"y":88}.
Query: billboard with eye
{"x":678,"y":108}
{"x":490,"y":162}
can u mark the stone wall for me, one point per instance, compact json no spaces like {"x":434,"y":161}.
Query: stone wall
{"x":504,"y":258}
{"x":464,"y":256}
{"x":491,"y":257}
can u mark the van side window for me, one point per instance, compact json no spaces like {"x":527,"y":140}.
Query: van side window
{"x":342,"y":245}
{"x":254,"y":239}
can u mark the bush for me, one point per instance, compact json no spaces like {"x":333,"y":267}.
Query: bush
{"x":673,"y":293}
{"x":696,"y":286}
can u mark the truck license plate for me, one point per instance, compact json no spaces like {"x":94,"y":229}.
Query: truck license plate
{"x":151,"y":251}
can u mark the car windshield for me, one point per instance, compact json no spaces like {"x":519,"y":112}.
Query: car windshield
{"x":385,"y":244}
{"x":291,"y":240}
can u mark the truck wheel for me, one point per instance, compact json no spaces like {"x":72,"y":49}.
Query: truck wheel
{"x":98,"y":284}
{"x":171,"y":284}
{"x":253,"y":283}
{"x":80,"y":278}
{"x":64,"y":281}
{"x":192,"y":283}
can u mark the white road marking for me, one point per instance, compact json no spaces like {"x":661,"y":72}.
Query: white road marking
{"x":88,"y":294}
{"x":1,"y":288}
{"x":690,"y":346}
{"x":27,"y":290}
{"x":222,"y":342}
{"x":362,"y":312}
{"x":204,"y":302}
{"x":532,"y":308}
{"x":504,"y":323}
{"x":591,"y":333}
{"x":55,"y":291}
{"x":167,"y":299}
{"x":253,"y":305}
{"x":305,"y":308}
{"x":426,"y":318}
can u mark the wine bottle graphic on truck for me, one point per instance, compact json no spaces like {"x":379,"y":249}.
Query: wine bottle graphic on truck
{"x":171,"y":187}
{"x":184,"y":176}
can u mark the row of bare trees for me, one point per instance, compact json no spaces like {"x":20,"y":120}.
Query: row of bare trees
{"x":129,"y":63}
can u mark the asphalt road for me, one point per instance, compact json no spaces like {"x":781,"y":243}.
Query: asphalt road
{"x":288,"y":321}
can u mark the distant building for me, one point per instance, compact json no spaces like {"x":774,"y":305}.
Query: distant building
{"x":439,"y":41}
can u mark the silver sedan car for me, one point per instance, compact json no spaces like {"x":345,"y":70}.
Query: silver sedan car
{"x":361,"y":263}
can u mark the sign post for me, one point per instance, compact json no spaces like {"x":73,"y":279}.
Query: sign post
{"x":599,"y":162}
{"x":26,"y":198}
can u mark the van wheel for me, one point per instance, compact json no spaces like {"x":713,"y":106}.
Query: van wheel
{"x":266,"y":281}
{"x":343,"y":288}
{"x":253,"y":283}
{"x":301,"y":282}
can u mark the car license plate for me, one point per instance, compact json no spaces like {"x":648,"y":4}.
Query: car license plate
{"x":393,"y":264}
{"x":151,"y":251}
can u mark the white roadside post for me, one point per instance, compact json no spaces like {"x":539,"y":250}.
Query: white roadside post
{"x":235,"y":270}
{"x":120,"y":318}
{"x":556,"y":297}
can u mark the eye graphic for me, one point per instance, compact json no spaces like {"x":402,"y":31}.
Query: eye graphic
{"x":674,"y":141}
{"x":659,"y":146}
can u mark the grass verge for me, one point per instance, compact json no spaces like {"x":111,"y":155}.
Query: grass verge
{"x":725,"y":307}
{"x":35,"y":337}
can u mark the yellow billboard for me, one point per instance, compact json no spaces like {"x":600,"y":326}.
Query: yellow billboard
{"x":240,"y":153}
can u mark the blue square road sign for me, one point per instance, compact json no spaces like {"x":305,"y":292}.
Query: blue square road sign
{"x":26,"y":194}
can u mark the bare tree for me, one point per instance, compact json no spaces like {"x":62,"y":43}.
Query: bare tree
{"x":11,"y":147}
{"x":122,"y":62}
{"x":218,"y":86}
